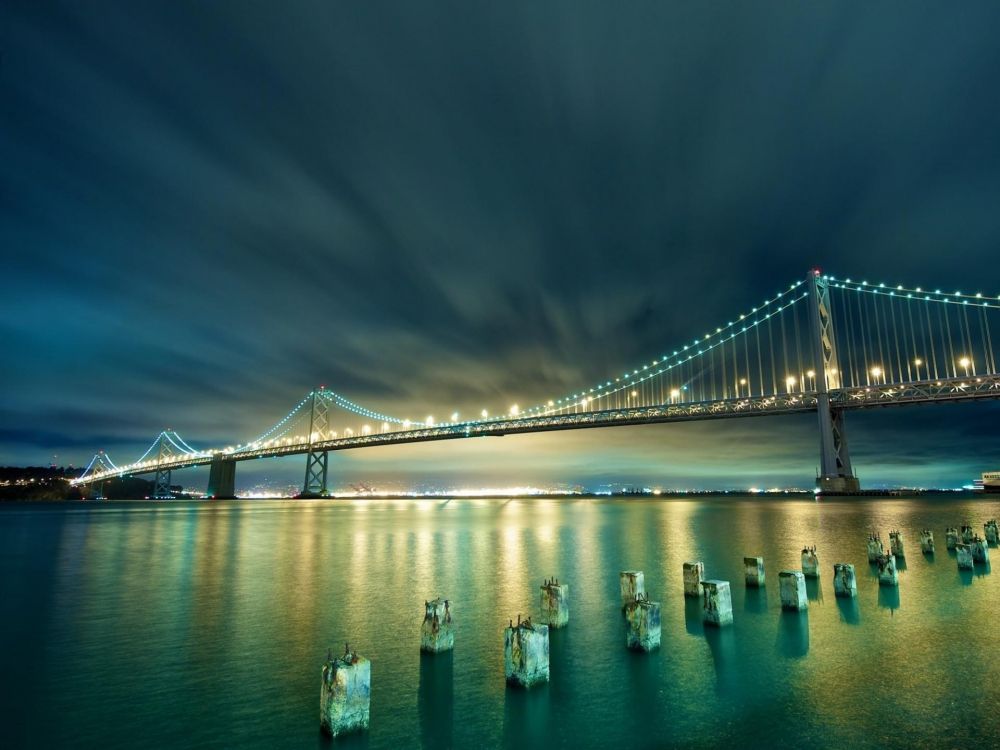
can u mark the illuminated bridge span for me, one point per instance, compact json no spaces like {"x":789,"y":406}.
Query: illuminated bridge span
{"x":824,"y":345}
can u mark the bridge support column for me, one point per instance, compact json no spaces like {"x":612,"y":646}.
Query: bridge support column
{"x":161,"y":485}
{"x":835,"y":475}
{"x":221,"y":479}
{"x":315,"y":482}
{"x":316,"y":462}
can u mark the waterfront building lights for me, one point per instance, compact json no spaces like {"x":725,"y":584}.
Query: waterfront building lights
{"x":515,"y":410}
{"x":484,"y":414}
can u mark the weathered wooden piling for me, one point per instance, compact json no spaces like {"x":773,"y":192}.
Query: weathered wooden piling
{"x":345,"y":693}
{"x":694,"y":573}
{"x":810,"y":562}
{"x":754,"y":571}
{"x":436,"y":632}
{"x":717,"y":607}
{"x":555,"y":603}
{"x":632,"y":583}
{"x":875,"y":549}
{"x":927,"y":542}
{"x":845,"y":582}
{"x":526,"y":653}
{"x":951,"y":537}
{"x":888,"y":575}
{"x":643,"y":624}
{"x":896,"y":543}
{"x":963,"y":553}
{"x":792,"y":585}
{"x":992,"y":532}
{"x":967,"y":533}
{"x":980,"y":550}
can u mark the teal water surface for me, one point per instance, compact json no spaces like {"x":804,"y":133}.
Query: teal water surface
{"x":198,"y":624}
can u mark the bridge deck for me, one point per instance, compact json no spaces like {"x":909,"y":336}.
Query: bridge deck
{"x":899,"y":394}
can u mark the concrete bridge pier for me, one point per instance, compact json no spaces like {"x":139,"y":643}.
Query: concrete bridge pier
{"x":694,"y":574}
{"x":754,"y":571}
{"x":643,"y":624}
{"x":963,"y":554}
{"x":555,"y":603}
{"x":717,"y":605}
{"x":875,"y":548}
{"x":888,"y":573}
{"x":436,"y":632}
{"x":951,"y":537}
{"x":526,"y":653}
{"x":792,"y":585}
{"x":845,"y":582}
{"x":221,"y":479}
{"x":810,"y":562}
{"x":345,"y":693}
{"x":927,"y":542}
{"x":632,"y":583}
{"x":992,"y":532}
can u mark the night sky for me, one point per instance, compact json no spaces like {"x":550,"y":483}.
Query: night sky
{"x":208,"y":208}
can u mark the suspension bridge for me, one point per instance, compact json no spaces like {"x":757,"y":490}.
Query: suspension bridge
{"x":823,"y":344}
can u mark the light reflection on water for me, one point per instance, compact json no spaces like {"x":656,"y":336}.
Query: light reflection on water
{"x":197,"y":624}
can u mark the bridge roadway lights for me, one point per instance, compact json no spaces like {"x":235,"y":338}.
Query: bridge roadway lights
{"x":222,"y":479}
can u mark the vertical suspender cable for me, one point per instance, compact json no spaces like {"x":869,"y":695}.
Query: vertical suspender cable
{"x":895,"y":333}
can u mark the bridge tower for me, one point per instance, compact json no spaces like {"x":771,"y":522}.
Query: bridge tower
{"x":316,"y":461}
{"x":165,"y":451}
{"x":835,"y":461}
{"x":100,"y":463}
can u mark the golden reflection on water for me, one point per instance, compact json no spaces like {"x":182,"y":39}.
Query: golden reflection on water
{"x":187,"y":595}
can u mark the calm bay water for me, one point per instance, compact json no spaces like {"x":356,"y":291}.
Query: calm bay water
{"x":195,"y":624}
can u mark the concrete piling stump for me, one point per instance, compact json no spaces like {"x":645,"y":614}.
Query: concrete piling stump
{"x":964,"y":556}
{"x":845,"y":582}
{"x":632,"y":584}
{"x":896,"y":543}
{"x":980,"y":550}
{"x":875,"y":549}
{"x":526,"y":653}
{"x":754,"y":571}
{"x":992,"y":532}
{"x":643,"y":620}
{"x":717,"y":607}
{"x":951,"y":537}
{"x":888,"y":575}
{"x":694,"y":573}
{"x":555,"y":603}
{"x":792,"y":584}
{"x":967,"y":533}
{"x":927,"y":542}
{"x":345,"y":693}
{"x":810,"y":562}
{"x":436,"y":632}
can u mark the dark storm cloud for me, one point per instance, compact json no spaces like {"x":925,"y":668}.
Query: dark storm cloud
{"x":206,"y":209}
